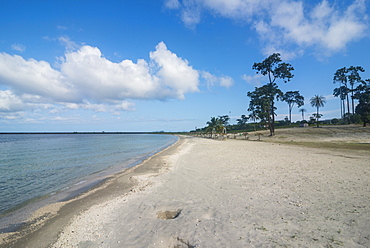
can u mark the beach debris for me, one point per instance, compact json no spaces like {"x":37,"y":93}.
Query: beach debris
{"x":168,"y":214}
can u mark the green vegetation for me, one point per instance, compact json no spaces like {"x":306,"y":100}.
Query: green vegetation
{"x":352,"y":86}
{"x":262,"y":101}
{"x":354,"y":95}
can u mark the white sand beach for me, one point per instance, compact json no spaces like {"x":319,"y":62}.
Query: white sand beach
{"x":233,"y":193}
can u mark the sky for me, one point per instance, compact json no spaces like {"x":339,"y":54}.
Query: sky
{"x":167,"y":65}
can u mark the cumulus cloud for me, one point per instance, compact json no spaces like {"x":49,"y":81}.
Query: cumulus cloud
{"x":34,"y":77}
{"x":85,"y":79}
{"x":177,"y":75}
{"x":297,"y":24}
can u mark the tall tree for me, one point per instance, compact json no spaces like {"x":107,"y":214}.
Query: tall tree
{"x":292,"y":97}
{"x":302,"y":110}
{"x":342,"y":93}
{"x":340,"y":76}
{"x":348,"y":78}
{"x":261,"y":103}
{"x":274,"y":68}
{"x":354,"y":77}
{"x":363,"y":96}
{"x":318,"y":102}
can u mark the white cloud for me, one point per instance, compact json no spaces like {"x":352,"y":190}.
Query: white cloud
{"x":212,"y":80}
{"x":125,"y":106}
{"x":61,"y":27}
{"x":18,"y":47}
{"x":172,"y":4}
{"x":85,"y":79}
{"x":255,"y":80}
{"x":177,"y":75}
{"x":289,"y":23}
{"x":226,"y":81}
{"x":68,"y":43}
{"x":10,"y":102}
{"x":34,"y":78}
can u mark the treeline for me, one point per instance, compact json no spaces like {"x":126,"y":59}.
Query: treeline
{"x":262,"y":107}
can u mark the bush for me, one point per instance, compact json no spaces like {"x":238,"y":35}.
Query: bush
{"x":335,"y":121}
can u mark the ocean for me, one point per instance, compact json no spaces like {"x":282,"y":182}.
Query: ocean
{"x":40,"y":169}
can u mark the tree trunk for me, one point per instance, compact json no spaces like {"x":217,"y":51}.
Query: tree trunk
{"x":272,"y":132}
{"x":269,"y":122}
{"x":344,"y":109}
{"x":317,"y":117}
{"x":349,"y":119}
{"x":353,"y":102}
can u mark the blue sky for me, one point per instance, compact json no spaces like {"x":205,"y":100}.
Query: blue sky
{"x":151,"y":65}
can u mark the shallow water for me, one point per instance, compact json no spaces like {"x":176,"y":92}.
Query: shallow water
{"x":35,"y":166}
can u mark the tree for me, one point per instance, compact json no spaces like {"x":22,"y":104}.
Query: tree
{"x":217,"y":123}
{"x":342,"y":93}
{"x":292,"y":97}
{"x":363,"y":96}
{"x":354,"y":77}
{"x":302,"y":110}
{"x":261,"y":103}
{"x":341,"y":78}
{"x":242,"y":121}
{"x":224,"y":119}
{"x":345,"y":76}
{"x":253,"y":115}
{"x":274,"y":68}
{"x":317,"y":101}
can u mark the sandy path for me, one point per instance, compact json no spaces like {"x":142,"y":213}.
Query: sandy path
{"x":237,"y":194}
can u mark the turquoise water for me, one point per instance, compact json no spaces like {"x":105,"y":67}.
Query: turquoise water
{"x":33,"y":166}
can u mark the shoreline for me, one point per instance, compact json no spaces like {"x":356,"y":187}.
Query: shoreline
{"x":229,"y":193}
{"x":42,"y":213}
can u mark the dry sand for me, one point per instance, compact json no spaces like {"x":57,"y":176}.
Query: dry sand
{"x":233,"y":193}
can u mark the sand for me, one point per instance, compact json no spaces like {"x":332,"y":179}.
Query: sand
{"x":232,"y":193}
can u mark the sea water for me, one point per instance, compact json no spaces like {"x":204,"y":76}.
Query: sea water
{"x":38,"y":166}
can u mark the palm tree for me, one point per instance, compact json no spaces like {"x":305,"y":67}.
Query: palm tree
{"x":317,"y":101}
{"x":302,"y":110}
